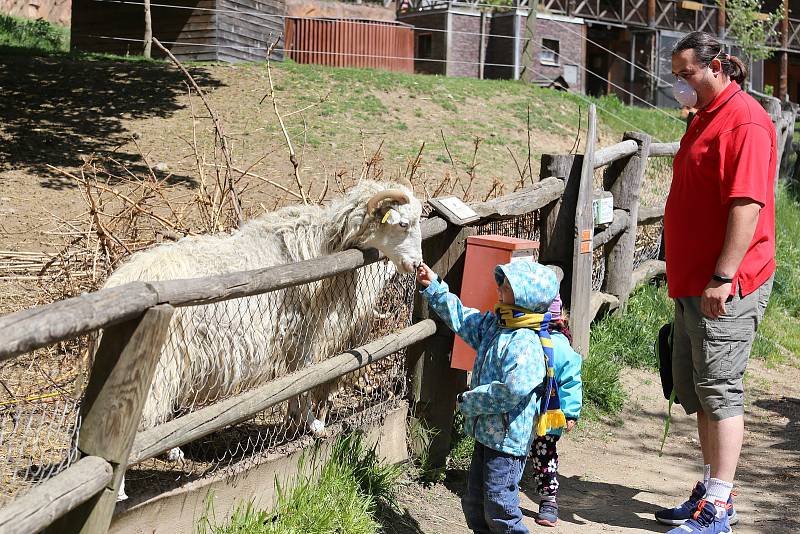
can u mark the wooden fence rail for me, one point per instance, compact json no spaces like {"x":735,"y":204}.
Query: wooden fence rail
{"x":45,"y":503}
{"x":206,"y":420}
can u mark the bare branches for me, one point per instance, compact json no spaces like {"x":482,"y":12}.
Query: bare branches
{"x":292,"y":154}
{"x":220,"y":135}
{"x":413,"y":166}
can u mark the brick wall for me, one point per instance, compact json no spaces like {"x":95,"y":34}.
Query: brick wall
{"x":465,"y":47}
{"x":570,"y":37}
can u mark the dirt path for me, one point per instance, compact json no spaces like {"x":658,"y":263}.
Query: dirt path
{"x":613,"y":479}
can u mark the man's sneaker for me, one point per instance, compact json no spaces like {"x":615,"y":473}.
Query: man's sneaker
{"x":548,"y":514}
{"x":704,"y":521}
{"x":679,"y":514}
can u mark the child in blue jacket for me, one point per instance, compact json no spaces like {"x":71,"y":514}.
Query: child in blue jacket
{"x":544,"y":456}
{"x":502,"y":407}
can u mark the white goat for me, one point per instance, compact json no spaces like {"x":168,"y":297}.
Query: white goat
{"x":217,"y":350}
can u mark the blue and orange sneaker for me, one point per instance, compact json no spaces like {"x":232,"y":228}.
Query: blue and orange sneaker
{"x":682,"y":513}
{"x":704,"y":521}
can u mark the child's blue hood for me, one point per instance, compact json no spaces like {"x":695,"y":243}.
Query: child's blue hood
{"x":535,"y":286}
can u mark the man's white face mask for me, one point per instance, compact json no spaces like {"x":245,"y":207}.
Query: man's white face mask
{"x":684,"y":93}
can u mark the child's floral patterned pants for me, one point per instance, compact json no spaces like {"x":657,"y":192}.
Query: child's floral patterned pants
{"x":544,"y":460}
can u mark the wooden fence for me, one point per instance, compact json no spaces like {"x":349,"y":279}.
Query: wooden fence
{"x":350,"y":43}
{"x":135,"y":317}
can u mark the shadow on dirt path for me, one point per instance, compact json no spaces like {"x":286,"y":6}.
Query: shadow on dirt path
{"x":56,"y":110}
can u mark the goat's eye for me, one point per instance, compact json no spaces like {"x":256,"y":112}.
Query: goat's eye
{"x":403,"y":224}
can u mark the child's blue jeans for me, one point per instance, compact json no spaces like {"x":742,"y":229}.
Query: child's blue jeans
{"x":491,"y":503}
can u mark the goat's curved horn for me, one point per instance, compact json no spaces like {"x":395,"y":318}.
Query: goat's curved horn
{"x":388,"y":194}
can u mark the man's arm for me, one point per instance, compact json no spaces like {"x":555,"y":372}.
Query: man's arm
{"x":742,"y":221}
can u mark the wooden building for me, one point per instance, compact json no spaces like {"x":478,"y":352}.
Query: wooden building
{"x":467,"y":39}
{"x":211,"y":30}
{"x":450,"y":40}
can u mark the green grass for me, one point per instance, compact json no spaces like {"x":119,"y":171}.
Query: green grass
{"x":344,"y":497}
{"x":462,"y":445}
{"x":778,"y":339}
{"x":27,"y":37}
{"x":602,"y":388}
{"x":619,"y":341}
{"x":628,"y":339}
{"x":551,"y":110}
{"x":40,"y":35}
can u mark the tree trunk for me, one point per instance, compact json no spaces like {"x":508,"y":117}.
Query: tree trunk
{"x":528,"y":49}
{"x":148,"y":29}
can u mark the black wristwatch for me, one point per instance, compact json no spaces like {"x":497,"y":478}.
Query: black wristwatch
{"x":721,"y":279}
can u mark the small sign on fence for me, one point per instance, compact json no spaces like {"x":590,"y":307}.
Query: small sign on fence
{"x":454,"y":210}
{"x":603,"y":207}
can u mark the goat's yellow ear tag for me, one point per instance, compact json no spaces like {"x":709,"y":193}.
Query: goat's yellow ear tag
{"x":386,"y":217}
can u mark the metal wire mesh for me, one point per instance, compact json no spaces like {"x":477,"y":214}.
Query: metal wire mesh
{"x":216,"y":351}
{"x":655,"y":187}
{"x":524,"y":226}
{"x":657,"y":180}
{"x":39,"y":414}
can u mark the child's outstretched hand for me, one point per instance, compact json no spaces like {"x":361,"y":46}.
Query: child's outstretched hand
{"x":425,"y":275}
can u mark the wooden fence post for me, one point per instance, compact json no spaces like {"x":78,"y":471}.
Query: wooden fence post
{"x":118,"y":384}
{"x":624,"y":179}
{"x":580,"y":302}
{"x":557,"y":219}
{"x":434,"y":383}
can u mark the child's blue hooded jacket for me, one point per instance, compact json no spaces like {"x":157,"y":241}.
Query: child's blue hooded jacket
{"x":567,"y":364}
{"x":501,"y":407}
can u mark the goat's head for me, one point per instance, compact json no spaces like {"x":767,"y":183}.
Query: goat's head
{"x":393,"y":215}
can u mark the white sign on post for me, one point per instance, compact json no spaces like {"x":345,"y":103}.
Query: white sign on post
{"x":454,"y":210}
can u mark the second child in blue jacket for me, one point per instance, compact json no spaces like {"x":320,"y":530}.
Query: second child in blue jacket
{"x":501,"y":407}
{"x":544,"y":456}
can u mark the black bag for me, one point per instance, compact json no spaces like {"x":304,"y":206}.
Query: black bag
{"x":664,"y":352}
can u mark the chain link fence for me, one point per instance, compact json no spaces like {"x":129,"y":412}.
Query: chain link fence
{"x":655,"y":188}
{"x":525,"y":226}
{"x":244,"y":343}
{"x":40,"y":414}
{"x":214,"y":352}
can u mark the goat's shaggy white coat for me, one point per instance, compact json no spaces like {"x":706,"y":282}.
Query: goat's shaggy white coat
{"x":216,"y":350}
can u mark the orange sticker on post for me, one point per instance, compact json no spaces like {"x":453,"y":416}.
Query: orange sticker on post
{"x":586,"y":235}
{"x":586,"y":247}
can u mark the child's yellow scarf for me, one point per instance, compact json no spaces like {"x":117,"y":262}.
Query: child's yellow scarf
{"x":550,"y":414}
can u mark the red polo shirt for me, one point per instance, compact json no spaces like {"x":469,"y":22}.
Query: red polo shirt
{"x":728,"y":152}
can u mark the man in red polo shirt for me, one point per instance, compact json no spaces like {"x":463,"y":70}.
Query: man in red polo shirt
{"x":719,"y":229}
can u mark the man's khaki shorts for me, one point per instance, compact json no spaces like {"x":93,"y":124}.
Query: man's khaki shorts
{"x":709,"y":356}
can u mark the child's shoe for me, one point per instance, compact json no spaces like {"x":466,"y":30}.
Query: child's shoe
{"x":704,"y":521}
{"x":548,"y":514}
{"x":680,"y":514}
